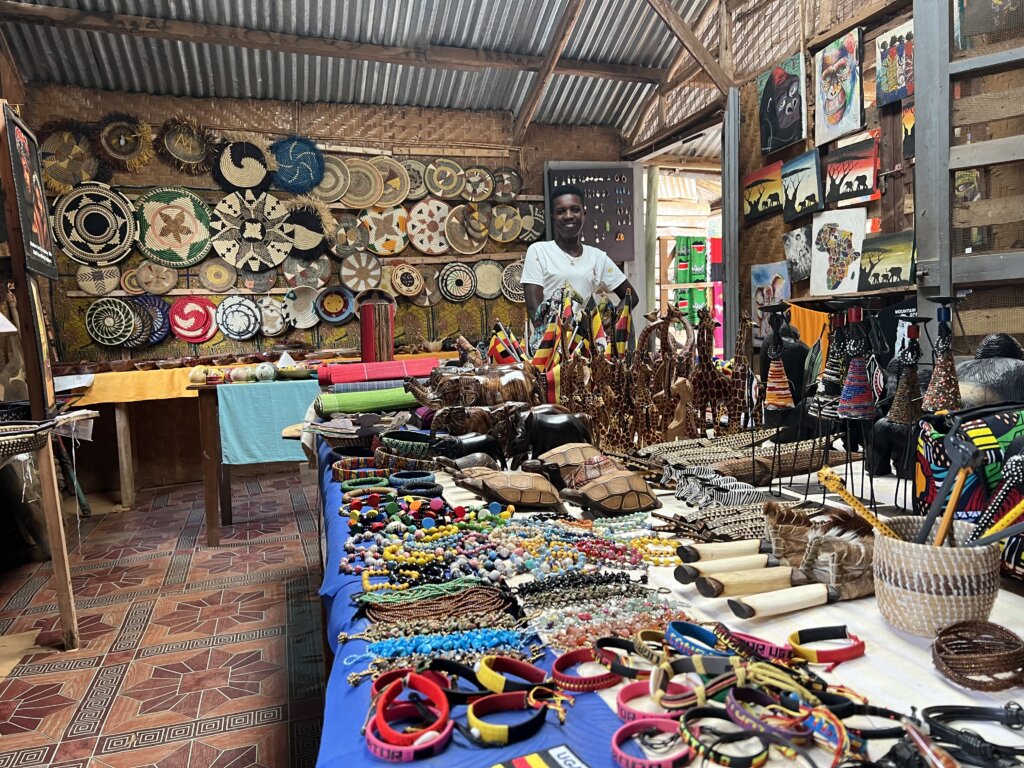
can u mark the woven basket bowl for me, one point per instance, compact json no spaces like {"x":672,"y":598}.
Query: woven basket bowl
{"x":922,"y":588}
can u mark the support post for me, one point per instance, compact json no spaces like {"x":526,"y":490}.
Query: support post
{"x":125,"y":460}
{"x":58,"y":546}
{"x":730,"y":218}
{"x":651,"y":239}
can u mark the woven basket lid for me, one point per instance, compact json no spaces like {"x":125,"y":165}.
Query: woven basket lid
{"x":272,"y":319}
{"x":479,"y":184}
{"x":430,"y":296}
{"x":512,"y":283}
{"x":457,"y":282}
{"x":360,"y":271}
{"x":130,"y":283}
{"x":365,"y":185}
{"x":249,"y":230}
{"x":458,"y":236}
{"x":238,"y":318}
{"x":406,"y":280}
{"x":507,"y":184}
{"x":187,"y":145}
{"x":173,"y":227}
{"x":305,"y":227}
{"x":109,"y":321}
{"x":66,"y":157}
{"x":336,"y":305}
{"x":98,"y":281}
{"x":300,"y":164}
{"x":143,"y":327}
{"x":217,"y":275}
{"x":159,"y":313}
{"x":505,"y":224}
{"x":531,"y":216}
{"x":94,"y":224}
{"x":193,"y":319}
{"x":156,"y":278}
{"x":314,"y":273}
{"x":386,"y":230}
{"x":488,"y":278}
{"x":395,"y":179}
{"x":351,"y":235}
{"x":444,"y":178}
{"x":124,"y":142}
{"x":257,"y":282}
{"x":300,"y":307}
{"x":415,"y":169}
{"x":426,"y":226}
{"x":334,"y":184}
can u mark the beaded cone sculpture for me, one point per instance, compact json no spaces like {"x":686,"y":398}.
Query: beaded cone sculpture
{"x":778,"y":395}
{"x":906,"y":402}
{"x":943,"y":392}
{"x":857,"y":400}
{"x":830,"y":385}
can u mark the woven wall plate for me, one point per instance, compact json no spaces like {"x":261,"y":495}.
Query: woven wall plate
{"x":305,"y":227}
{"x":406,"y":280}
{"x":335,"y":181}
{"x":532,"y":217}
{"x":66,"y":157}
{"x":124,"y":142}
{"x":512,"y":283}
{"x":444,"y":178}
{"x":336,"y":305}
{"x":193,"y":318}
{"x":217,"y":275}
{"x":306,"y":273}
{"x":94,"y":224}
{"x":159,"y":313}
{"x":187,"y":145}
{"x":395,"y":178}
{"x":456,"y":282}
{"x":351,"y":235}
{"x":415,"y":169}
{"x":488,"y":278}
{"x":360,"y":272}
{"x":130,"y":283}
{"x":272,"y":320}
{"x":238,"y":318}
{"x":156,"y":278}
{"x":241,"y":166}
{"x":430,"y":296}
{"x":98,"y":281}
{"x":386,"y":230}
{"x":248,"y":231}
{"x":300,"y":164}
{"x":300,"y":307}
{"x":479,"y":184}
{"x":426,"y":226}
{"x":173,"y":227}
{"x":507,"y":184}
{"x":143,"y":328}
{"x":505,"y":224}
{"x":458,"y":237}
{"x":365,"y":186}
{"x":109,"y":321}
{"x":477,"y":218}
{"x":257,"y":282}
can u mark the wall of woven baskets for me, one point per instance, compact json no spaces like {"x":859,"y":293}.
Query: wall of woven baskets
{"x":223,"y":216}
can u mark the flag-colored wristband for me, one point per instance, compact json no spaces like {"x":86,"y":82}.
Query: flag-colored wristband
{"x":435,"y":700}
{"x":764,"y":648}
{"x":693,"y":640}
{"x":691,"y":734}
{"x":579,"y":683}
{"x":539,"y":698}
{"x":493,"y":670}
{"x":655,"y":725}
{"x":642,"y":690}
{"x":426,"y":743}
{"x":832,"y":656}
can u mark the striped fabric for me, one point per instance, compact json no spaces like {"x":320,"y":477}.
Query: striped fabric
{"x":368,"y":386}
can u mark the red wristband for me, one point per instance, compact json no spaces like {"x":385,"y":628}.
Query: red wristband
{"x":436,"y":701}
{"x":387,"y":678}
{"x":642,"y":690}
{"x":764,"y":648}
{"x":658,"y":725}
{"x":580,"y":683}
{"x":433,"y":742}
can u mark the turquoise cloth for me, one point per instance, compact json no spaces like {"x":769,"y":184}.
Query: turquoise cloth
{"x":253,"y":415}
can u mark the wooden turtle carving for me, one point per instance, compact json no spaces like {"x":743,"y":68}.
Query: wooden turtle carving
{"x":591,"y":469}
{"x":559,"y":463}
{"x":455,"y":466}
{"x":617,"y":493}
{"x":521,"y":489}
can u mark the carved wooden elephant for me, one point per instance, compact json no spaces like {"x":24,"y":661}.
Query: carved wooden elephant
{"x":457,"y":446}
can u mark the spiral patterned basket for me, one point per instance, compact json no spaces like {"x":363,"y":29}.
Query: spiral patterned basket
{"x":922,"y":588}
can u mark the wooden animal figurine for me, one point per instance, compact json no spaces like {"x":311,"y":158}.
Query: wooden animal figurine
{"x":712,"y":389}
{"x":741,"y":373}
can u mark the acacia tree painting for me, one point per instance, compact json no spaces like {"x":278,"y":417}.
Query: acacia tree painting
{"x":762,"y":192}
{"x":857,"y":160}
{"x":887,"y":261}
{"x":801,"y":186}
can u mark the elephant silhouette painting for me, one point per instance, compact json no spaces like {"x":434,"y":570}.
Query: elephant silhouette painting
{"x":851,"y":171}
{"x":887,"y":260}
{"x":801,"y":186}
{"x":762,"y":191}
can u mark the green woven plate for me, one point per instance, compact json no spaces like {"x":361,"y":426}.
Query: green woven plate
{"x":173,"y":227}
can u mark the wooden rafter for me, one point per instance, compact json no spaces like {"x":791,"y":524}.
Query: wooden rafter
{"x":566,"y":24}
{"x":655,"y":144}
{"x":692,"y":43}
{"x":442,"y":57}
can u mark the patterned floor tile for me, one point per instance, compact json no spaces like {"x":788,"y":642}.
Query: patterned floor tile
{"x":216,"y":612}
{"x":35,"y":710}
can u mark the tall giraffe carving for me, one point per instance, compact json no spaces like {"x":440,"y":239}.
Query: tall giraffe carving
{"x":712,"y":389}
{"x":741,"y":373}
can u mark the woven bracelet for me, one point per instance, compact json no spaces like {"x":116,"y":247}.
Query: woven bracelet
{"x":980,"y":655}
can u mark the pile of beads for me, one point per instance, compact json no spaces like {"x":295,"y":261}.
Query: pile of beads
{"x":580,"y":627}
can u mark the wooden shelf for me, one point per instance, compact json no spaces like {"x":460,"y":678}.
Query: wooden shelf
{"x":679,"y":286}
{"x":893,"y":291}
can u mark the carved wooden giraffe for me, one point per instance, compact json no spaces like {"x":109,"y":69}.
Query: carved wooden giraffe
{"x":741,"y":371}
{"x":712,"y":389}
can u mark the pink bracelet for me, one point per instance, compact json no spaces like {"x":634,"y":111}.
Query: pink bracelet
{"x":433,"y":742}
{"x":640,"y":690}
{"x":659,"y":726}
{"x":763,"y":647}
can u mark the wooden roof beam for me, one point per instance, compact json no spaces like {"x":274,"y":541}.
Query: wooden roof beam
{"x":440,"y":56}
{"x":692,"y":43}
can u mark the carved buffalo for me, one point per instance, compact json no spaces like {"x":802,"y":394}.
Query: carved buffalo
{"x":458,"y":446}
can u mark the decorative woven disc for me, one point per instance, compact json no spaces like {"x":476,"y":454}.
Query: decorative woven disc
{"x":305,"y":227}
{"x":156,"y":278}
{"x":272,"y":321}
{"x":458,"y":237}
{"x":512,"y":283}
{"x":143,"y":328}
{"x":505,"y":224}
{"x":415,"y":169}
{"x":386,"y":230}
{"x":310,"y":274}
{"x":426,"y":226}
{"x":336,"y":305}
{"x":444,"y":178}
{"x":193,"y":319}
{"x":532,"y":217}
{"x":351,"y":235}
{"x":335,"y":181}
{"x":395,"y":178}
{"x":406,"y":280}
{"x":130,"y":283}
{"x":457,"y":282}
{"x":238,"y":318}
{"x":217,"y":275}
{"x":242,"y":166}
{"x":67,"y":160}
{"x":248,"y":231}
{"x":430,"y":296}
{"x":479,"y":184}
{"x":507,"y":184}
{"x":94,"y":224}
{"x":173,"y":227}
{"x":187,"y":145}
{"x":300,"y":164}
{"x":300,"y":307}
{"x":488,"y":278}
{"x":124,"y":142}
{"x":98,"y":281}
{"x":109,"y":321}
{"x":477,"y":219}
{"x":360,"y":271}
{"x":365,"y":186}
{"x":159,"y":314}
{"x":257,"y":282}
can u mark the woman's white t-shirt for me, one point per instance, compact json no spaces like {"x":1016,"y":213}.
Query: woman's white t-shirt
{"x":549,"y":266}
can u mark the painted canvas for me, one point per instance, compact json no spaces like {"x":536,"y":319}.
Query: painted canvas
{"x":801,"y":186}
{"x":851,"y":171}
{"x":908,"y":130}
{"x":782,"y":100}
{"x":769,"y":284}
{"x":838,"y":90}
{"x":762,"y":192}
{"x":894,"y":64}
{"x":797,"y":247}
{"x":887,"y":260}
{"x":838,"y":238}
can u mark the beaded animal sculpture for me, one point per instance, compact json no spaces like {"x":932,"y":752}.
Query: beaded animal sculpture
{"x":712,"y":389}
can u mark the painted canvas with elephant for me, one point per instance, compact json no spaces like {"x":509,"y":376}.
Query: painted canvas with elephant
{"x":838,"y":88}
{"x":850,"y":171}
{"x":836,"y":245}
{"x":762,"y":192}
{"x":887,"y":261}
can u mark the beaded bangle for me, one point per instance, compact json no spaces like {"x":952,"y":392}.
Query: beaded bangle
{"x":404,"y":443}
{"x":384,"y":458}
{"x":579,"y":683}
{"x":341,"y":474}
{"x":424,"y":489}
{"x":980,"y":655}
{"x":398,"y":479}
{"x":362,"y":482}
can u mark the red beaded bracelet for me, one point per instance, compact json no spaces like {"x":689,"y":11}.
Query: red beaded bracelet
{"x":578,"y":682}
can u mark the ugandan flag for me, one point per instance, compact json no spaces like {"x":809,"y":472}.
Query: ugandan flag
{"x":501,"y":349}
{"x":597,"y":339}
{"x":623,"y":327}
{"x":517,"y":348}
{"x":553,"y":384}
{"x":545,"y":357}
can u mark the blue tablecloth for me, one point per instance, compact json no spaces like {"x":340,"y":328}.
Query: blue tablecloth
{"x":253,"y":415}
{"x":587,"y":731}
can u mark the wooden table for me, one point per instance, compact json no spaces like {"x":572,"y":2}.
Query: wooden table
{"x":216,"y":475}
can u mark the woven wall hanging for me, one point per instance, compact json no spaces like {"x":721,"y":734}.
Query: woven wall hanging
{"x":249,"y":231}
{"x":300,"y":164}
{"x":173,"y":227}
{"x":335,"y":181}
{"x":124,"y":142}
{"x":244,"y":164}
{"x":67,"y":157}
{"x":186,"y":145}
{"x":94,"y":224}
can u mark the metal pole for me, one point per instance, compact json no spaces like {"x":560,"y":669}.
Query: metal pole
{"x":730,"y":218}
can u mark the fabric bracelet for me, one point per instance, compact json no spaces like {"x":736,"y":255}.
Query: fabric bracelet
{"x":579,"y":683}
{"x":649,"y":726}
{"x":711,"y":752}
{"x":832,"y":657}
{"x":640,"y":690}
{"x":493,"y":670}
{"x":433,"y":742}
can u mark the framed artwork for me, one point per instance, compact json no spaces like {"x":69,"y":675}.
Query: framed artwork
{"x":887,"y":260}
{"x":782,"y":104}
{"x":908,"y":130}
{"x":838,"y":238}
{"x":33,"y":210}
{"x":762,"y":192}
{"x":894,"y":64}
{"x":851,"y":171}
{"x":801,"y":186}
{"x":769,"y":284}
{"x":797,"y":247}
{"x":838,"y":90}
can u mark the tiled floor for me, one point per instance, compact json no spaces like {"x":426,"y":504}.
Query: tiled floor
{"x":190,"y":655}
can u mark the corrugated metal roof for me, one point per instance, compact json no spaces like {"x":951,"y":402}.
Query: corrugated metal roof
{"x":707,"y":145}
{"x":608,"y":31}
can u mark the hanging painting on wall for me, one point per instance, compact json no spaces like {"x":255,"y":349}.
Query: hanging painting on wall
{"x":887,"y":260}
{"x":838,"y":88}
{"x":851,"y":171}
{"x":908,"y":130}
{"x":782,"y":104}
{"x":801,"y":186}
{"x":894,"y":64}
{"x":762,"y":192}
{"x":838,"y":238}
{"x":797,"y":247}
{"x":769,"y":284}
